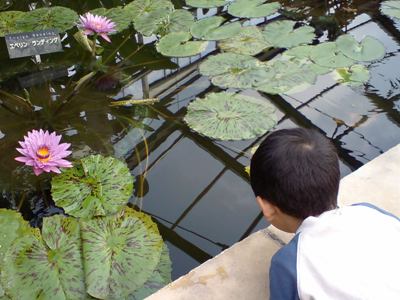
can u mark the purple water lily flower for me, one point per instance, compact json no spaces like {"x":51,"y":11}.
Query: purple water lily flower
{"x":94,"y":24}
{"x":42,"y":151}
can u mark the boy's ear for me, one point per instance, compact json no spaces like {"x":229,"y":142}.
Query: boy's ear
{"x":269,"y":210}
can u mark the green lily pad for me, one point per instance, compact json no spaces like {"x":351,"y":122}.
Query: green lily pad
{"x":248,"y":41}
{"x":162,"y":22}
{"x":178,"y":44}
{"x":233,"y":70}
{"x":121,"y":17}
{"x":286,"y":76}
{"x":56,"y":17}
{"x":328,"y":55}
{"x":160,"y":277}
{"x":96,"y":186}
{"x":206,"y":3}
{"x":355,"y":75}
{"x":281,"y":34}
{"x":368,"y":49}
{"x":301,"y":55}
{"x":179,"y":20}
{"x":210,"y":29}
{"x":47,"y":266}
{"x":142,"y":8}
{"x":8,"y":20}
{"x":253,"y":8}
{"x":229,"y":116}
{"x":391,"y":8}
{"x":12,"y":226}
{"x":120,"y":253}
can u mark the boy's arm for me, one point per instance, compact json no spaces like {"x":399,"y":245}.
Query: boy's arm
{"x":283,"y":273}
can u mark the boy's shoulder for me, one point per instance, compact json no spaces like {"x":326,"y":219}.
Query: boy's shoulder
{"x":339,"y":251}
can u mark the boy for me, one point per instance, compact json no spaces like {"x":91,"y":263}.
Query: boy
{"x":351,"y":252}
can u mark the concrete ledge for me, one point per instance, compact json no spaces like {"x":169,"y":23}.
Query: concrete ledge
{"x":241,"y":272}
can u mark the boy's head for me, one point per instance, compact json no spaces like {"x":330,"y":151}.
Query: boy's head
{"x":295,"y":172}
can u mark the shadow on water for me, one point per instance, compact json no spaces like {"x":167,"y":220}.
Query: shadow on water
{"x":195,"y":188}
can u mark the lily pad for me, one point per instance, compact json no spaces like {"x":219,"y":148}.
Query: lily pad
{"x":56,"y":17}
{"x":391,"y":8}
{"x":368,"y":49}
{"x":253,"y":8}
{"x":206,"y":3}
{"x":301,"y":55}
{"x":178,"y":44}
{"x":96,"y":186}
{"x":12,"y":226}
{"x":142,"y":8}
{"x":355,"y":75}
{"x":248,"y":41}
{"x":233,"y":70}
{"x":286,"y":76}
{"x":120,"y":253}
{"x":8,"y":20}
{"x":47,"y":266}
{"x":210,"y":29}
{"x":229,"y":116}
{"x":162,"y":22}
{"x":281,"y":34}
{"x":160,"y":277}
{"x":328,"y":55}
{"x":121,"y":17}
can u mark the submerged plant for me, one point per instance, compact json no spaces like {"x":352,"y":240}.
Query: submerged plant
{"x":42,"y":151}
{"x":97,"y":25}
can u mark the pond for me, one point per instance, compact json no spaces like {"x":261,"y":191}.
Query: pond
{"x":258,"y":66}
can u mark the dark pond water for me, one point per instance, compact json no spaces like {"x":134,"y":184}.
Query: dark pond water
{"x":195,"y":188}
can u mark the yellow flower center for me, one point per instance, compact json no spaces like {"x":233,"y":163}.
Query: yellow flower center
{"x":43,"y":154}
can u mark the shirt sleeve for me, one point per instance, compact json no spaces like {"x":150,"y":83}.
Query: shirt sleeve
{"x":283,"y":273}
{"x":377,"y":209}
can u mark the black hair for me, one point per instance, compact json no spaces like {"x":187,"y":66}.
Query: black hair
{"x":298,"y":171}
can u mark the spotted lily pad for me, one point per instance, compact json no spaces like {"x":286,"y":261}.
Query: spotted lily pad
{"x":206,"y":3}
{"x":210,"y":29}
{"x":286,"y":76}
{"x":248,"y":41}
{"x":328,"y":55}
{"x":8,"y":20}
{"x":229,"y":116}
{"x":56,"y":17}
{"x":160,"y":277}
{"x":283,"y":35}
{"x":121,"y":17}
{"x":96,"y":186}
{"x":120,"y":253}
{"x":391,"y":8}
{"x":233,"y":70}
{"x":178,"y":44}
{"x":368,"y":49}
{"x":253,"y":8}
{"x":47,"y":266}
{"x":354,"y":76}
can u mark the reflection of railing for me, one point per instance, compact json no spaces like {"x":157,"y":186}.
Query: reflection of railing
{"x":218,"y":152}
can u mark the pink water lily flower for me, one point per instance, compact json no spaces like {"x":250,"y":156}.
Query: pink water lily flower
{"x":42,"y":151}
{"x":94,"y":24}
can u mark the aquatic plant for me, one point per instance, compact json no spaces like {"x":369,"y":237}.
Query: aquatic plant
{"x":249,"y":40}
{"x":116,"y":257}
{"x":391,"y":8}
{"x":97,"y":25}
{"x":252,"y":8}
{"x":96,"y":186}
{"x":230,"y":116}
{"x":42,"y":151}
{"x":210,"y":29}
{"x":179,"y":44}
{"x":206,"y":3}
